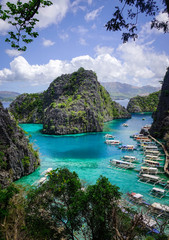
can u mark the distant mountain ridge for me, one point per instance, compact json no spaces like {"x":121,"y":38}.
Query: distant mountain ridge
{"x":8,"y":96}
{"x":119,"y":90}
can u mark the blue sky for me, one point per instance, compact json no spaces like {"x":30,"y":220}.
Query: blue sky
{"x":72,"y":35}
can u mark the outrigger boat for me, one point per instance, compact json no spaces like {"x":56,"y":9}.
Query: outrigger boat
{"x":127,"y":147}
{"x":148,"y":170}
{"x":152,"y":163}
{"x":158,"y":192}
{"x":136,"y":197}
{"x":109,"y":136}
{"x":130,"y":159}
{"x":160,"y":209}
{"x":125,"y":125}
{"x":150,"y":148}
{"x":153,"y":157}
{"x":150,"y":178}
{"x":122,"y":164}
{"x":113,"y":142}
{"x":136,"y":135}
{"x":156,"y":153}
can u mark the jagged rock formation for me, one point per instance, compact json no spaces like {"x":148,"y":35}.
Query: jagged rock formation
{"x":144,"y":104}
{"x":160,"y":126}
{"x":17,"y":157}
{"x":73,"y":103}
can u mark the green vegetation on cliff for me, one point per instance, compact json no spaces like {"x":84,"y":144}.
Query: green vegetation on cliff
{"x":144,"y":104}
{"x":73,"y":103}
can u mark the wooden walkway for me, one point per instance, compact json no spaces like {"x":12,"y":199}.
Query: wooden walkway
{"x":166,"y":165}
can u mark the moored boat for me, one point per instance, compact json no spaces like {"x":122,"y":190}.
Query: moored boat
{"x":130,"y":158}
{"x":109,"y":136}
{"x":127,"y":147}
{"x":112,"y":142}
{"x":122,"y":164}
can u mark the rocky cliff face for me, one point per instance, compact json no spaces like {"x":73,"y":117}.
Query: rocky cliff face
{"x":144,"y":104}
{"x":160,"y":126}
{"x":73,"y":103}
{"x":17,"y":157}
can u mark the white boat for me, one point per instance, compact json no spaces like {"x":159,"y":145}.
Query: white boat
{"x":148,"y":170}
{"x":153,"y":157}
{"x":109,"y":136}
{"x":113,"y":142}
{"x":136,"y":197}
{"x":125,"y":125}
{"x":42,"y":180}
{"x":156,"y":153}
{"x":157,"y":192}
{"x":152,"y":163}
{"x":122,"y":164}
{"x":150,"y":147}
{"x":130,"y":158}
{"x":160,"y":208}
{"x":149,"y":178}
{"x":127,"y":147}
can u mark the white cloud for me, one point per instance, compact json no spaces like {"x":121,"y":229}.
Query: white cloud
{"x":80,"y":29}
{"x":47,"y":43}
{"x":53,"y":14}
{"x":103,"y":50}
{"x":92,"y":15}
{"x":146,"y":30}
{"x":82,"y":42}
{"x":13,"y":52}
{"x":64,"y":36}
{"x":136,"y":64}
{"x":4,"y":27}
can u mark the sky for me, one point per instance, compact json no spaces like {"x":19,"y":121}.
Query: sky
{"x":72,"y":34}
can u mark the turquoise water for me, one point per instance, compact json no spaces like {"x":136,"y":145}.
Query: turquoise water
{"x":89,"y":156}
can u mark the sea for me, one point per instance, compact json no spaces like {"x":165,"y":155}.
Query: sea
{"x":89,"y":155}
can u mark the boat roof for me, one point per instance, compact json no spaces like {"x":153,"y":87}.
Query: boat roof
{"x":137,"y":195}
{"x":150,"y":168}
{"x":120,"y":161}
{"x":150,"y":161}
{"x":150,"y":176}
{"x":160,"y":206}
{"x":130,"y":157}
{"x":158,"y":190}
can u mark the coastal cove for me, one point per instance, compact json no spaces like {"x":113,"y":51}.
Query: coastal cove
{"x":89,"y":156}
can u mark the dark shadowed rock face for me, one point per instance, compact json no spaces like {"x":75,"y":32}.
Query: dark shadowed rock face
{"x":160,"y":124}
{"x":17,"y":157}
{"x":73,"y":103}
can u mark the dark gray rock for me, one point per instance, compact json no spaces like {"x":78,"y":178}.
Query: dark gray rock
{"x":17,"y":157}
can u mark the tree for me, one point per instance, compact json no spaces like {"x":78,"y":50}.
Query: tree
{"x":132,"y":9}
{"x":22,"y":17}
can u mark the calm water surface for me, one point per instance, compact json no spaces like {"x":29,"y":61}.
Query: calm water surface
{"x":89,"y":156}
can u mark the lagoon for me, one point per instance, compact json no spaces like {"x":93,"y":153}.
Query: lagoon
{"x":89,"y":156}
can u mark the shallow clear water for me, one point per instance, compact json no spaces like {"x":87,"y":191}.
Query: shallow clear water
{"x":89,"y":156}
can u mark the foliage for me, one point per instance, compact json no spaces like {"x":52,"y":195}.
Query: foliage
{"x":25,"y":162}
{"x":144,"y":103}
{"x":21,"y":17}
{"x":134,"y":8}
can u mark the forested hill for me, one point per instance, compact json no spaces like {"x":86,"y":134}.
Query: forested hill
{"x":119,"y":90}
{"x":8,"y":96}
{"x":144,"y":104}
{"x":73,"y":103}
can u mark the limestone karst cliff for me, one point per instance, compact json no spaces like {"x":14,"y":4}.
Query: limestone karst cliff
{"x":73,"y":103}
{"x":144,"y":103}
{"x":160,"y":126}
{"x":17,"y":156}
